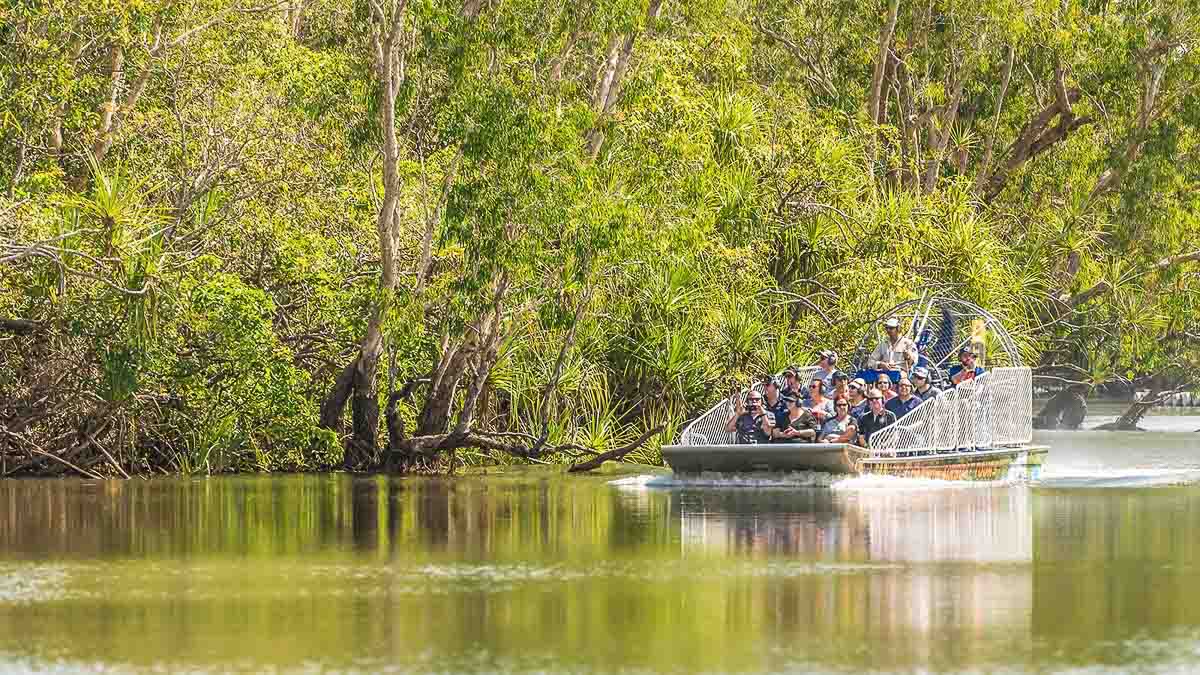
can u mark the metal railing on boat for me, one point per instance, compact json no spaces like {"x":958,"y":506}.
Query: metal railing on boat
{"x":992,"y":410}
{"x":709,"y":428}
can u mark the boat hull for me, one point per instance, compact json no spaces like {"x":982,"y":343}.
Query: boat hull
{"x":1004,"y":463}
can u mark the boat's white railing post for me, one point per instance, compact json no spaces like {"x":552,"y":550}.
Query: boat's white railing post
{"x":709,"y":428}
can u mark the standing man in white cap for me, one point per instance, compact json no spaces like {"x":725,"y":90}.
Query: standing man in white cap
{"x":889,"y":355}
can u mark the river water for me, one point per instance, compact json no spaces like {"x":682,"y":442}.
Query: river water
{"x":1095,"y":569}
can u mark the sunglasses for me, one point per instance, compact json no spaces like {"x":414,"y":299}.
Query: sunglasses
{"x":814,"y":386}
{"x":754,"y":400}
{"x":884,"y":383}
{"x":843,"y":405}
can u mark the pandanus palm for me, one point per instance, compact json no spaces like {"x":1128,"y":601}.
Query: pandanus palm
{"x":124,"y":231}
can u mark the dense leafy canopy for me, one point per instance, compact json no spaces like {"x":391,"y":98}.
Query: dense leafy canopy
{"x":617,"y":209}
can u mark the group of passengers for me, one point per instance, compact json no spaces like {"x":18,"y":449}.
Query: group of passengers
{"x":833,"y":408}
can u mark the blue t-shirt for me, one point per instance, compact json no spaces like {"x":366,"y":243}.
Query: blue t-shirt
{"x":826,"y":377}
{"x":860,"y":409}
{"x":779,"y":411}
{"x":955,"y":370}
{"x":901,"y":408}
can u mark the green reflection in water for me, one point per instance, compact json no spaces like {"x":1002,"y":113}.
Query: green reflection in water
{"x":538,"y":571}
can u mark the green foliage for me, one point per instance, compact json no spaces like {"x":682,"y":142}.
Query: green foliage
{"x":212,"y":270}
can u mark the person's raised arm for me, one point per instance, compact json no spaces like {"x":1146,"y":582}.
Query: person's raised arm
{"x":731,"y":423}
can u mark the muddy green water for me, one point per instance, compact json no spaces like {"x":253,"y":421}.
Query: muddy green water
{"x":1095,"y":570}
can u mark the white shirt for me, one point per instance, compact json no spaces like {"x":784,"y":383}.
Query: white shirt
{"x":886,"y":351}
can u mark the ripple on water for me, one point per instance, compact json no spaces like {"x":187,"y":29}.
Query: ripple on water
{"x":1117,"y":478}
{"x":27,"y":584}
{"x":500,"y":577}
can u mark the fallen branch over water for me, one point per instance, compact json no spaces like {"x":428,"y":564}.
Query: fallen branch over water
{"x":523,"y":446}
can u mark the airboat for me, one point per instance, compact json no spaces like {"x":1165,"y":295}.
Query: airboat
{"x":981,"y":429}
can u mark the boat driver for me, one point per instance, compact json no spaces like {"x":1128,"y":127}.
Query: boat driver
{"x":889,"y":355}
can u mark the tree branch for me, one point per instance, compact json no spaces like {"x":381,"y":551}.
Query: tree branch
{"x":617,"y":453}
{"x":874,"y":100}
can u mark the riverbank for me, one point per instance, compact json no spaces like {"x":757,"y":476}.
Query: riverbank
{"x":1100,"y":412}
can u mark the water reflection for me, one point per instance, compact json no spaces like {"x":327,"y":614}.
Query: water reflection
{"x":1114,"y":564}
{"x":541,"y":572}
{"x":921,"y":525}
{"x":884,"y":554}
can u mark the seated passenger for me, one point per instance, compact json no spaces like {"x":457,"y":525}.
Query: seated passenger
{"x":753,"y":425}
{"x":820,"y":406}
{"x":904,"y":402}
{"x":884,"y":384}
{"x":841,"y":387}
{"x":799,"y":426}
{"x":858,"y":398}
{"x":889,"y":355}
{"x":841,"y":428}
{"x":774,"y":402}
{"x":966,"y":370}
{"x":825,"y":367}
{"x":791,"y":384}
{"x":875,"y":419}
{"x":923,"y":387}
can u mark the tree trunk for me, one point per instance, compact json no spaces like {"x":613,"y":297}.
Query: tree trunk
{"x":358,"y":379}
{"x":335,"y":402}
{"x":435,"y":416}
{"x":1128,"y":421}
{"x":875,"y":95}
{"x":1065,"y":410}
{"x":365,"y":414}
{"x":608,"y":88}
